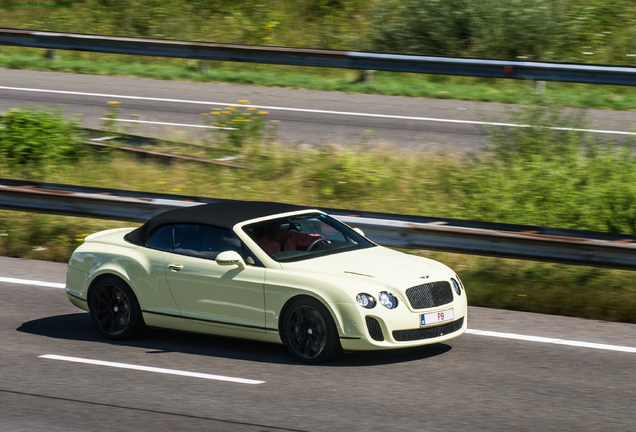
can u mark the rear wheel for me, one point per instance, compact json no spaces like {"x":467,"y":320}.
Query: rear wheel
{"x":114,"y":309}
{"x":309,"y":332}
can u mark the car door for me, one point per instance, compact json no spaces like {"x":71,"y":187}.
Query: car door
{"x":210,"y":293}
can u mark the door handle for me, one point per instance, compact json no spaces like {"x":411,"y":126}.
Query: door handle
{"x":175,"y":267}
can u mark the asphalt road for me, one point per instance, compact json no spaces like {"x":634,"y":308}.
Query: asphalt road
{"x":574,"y":375}
{"x":174,"y":109}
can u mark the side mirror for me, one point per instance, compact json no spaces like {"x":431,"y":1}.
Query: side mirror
{"x":359,"y":231}
{"x":230,"y":258}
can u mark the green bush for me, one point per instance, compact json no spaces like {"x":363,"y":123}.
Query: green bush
{"x":569,"y":30}
{"x":35,"y":140}
{"x":550,"y":176}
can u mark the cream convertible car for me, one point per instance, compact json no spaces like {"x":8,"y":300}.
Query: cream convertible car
{"x":264,"y":271}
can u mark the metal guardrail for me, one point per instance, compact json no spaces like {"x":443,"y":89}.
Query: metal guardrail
{"x":403,"y":231}
{"x":542,"y":71}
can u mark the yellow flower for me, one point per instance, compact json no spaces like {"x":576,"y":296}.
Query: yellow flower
{"x":263,"y":112}
{"x":243,"y":101}
{"x":113,"y":103}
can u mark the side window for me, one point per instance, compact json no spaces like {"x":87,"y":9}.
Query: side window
{"x":161,"y":238}
{"x":204,"y":241}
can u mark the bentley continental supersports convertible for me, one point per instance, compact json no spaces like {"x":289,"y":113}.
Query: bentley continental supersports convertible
{"x":264,"y":271}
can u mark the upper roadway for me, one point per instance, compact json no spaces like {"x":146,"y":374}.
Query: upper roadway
{"x":174,"y":109}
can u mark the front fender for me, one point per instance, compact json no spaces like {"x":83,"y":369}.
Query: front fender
{"x":337,"y":294}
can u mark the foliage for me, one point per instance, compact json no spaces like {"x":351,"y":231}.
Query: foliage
{"x":550,"y":176}
{"x":422,"y":26}
{"x":537,"y":29}
{"x":239,"y":124}
{"x":567,"y":30}
{"x":34,"y":140}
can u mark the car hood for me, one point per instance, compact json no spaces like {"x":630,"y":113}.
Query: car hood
{"x":385,"y":265}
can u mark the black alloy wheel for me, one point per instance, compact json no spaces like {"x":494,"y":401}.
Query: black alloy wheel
{"x":309,"y":332}
{"x":114,"y":309}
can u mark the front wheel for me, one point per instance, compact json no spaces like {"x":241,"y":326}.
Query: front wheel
{"x":309,"y":332}
{"x":114,"y":309}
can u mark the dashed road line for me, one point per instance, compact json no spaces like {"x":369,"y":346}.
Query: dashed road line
{"x":151,"y":369}
{"x":32,"y":282}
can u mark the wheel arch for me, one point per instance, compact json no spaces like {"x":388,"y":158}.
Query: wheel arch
{"x":337,"y":319}
{"x":105,"y":275}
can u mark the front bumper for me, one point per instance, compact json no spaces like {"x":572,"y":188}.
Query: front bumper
{"x":380,"y":328}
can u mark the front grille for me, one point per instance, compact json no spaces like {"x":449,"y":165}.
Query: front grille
{"x":428,"y":332}
{"x":430,"y":295}
{"x":375,"y":331}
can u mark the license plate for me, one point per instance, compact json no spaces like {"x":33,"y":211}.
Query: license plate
{"x":437,"y":317}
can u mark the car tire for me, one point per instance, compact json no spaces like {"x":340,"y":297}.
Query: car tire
{"x":114,"y":310}
{"x":309,"y":332}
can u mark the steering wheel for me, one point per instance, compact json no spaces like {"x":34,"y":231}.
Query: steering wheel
{"x":315,"y":242}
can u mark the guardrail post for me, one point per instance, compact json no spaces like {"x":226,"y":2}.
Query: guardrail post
{"x":539,"y":87}
{"x":367,"y":76}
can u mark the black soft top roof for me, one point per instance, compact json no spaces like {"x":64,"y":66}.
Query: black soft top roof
{"x":222,"y":214}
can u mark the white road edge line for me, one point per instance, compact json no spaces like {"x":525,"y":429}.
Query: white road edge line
{"x":151,"y":369}
{"x":314,"y":111}
{"x":555,"y":341}
{"x":32,"y":282}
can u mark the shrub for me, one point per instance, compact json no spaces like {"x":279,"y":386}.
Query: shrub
{"x":550,"y":176}
{"x":35,"y":140}
{"x":537,"y":29}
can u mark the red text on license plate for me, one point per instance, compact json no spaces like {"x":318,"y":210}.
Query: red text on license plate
{"x":436,"y":317}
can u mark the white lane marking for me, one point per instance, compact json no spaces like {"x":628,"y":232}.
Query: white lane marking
{"x":151,"y":369}
{"x":313,"y":111}
{"x":32,"y":282}
{"x":555,"y":341}
{"x":165,"y":123}
{"x":539,"y":339}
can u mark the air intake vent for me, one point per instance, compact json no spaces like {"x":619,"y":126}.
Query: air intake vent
{"x":430,"y":295}
{"x":428,"y":332}
{"x":375,"y":331}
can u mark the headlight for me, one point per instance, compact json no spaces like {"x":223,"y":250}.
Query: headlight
{"x":388,"y":300}
{"x":365,"y":300}
{"x":456,"y":286}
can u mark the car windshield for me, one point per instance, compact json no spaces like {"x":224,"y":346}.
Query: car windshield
{"x":304,"y":236}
